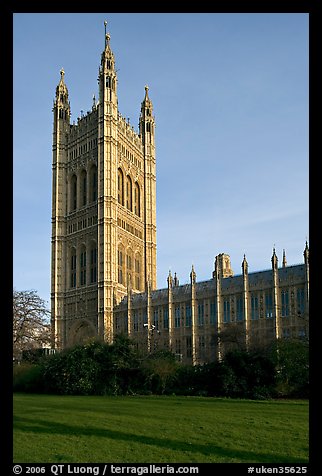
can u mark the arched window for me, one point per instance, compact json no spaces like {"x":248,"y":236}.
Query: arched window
{"x":93,"y":263}
{"x":93,"y":184}
{"x":137,"y":272}
{"x":129,"y":264}
{"x":82,"y":262}
{"x":120,"y":186}
{"x":120,"y":260}
{"x":137,"y":208}
{"x":73,"y":193}
{"x":285,"y":303}
{"x":129,"y":193}
{"x":73,"y":268}
{"x":83,"y":179}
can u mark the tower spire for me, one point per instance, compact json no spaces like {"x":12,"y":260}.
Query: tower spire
{"x":245,"y":265}
{"x":274,"y":259}
{"x":306,"y":253}
{"x":61,"y":102}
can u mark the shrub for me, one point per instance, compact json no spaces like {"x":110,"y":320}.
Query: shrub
{"x":28,"y":378}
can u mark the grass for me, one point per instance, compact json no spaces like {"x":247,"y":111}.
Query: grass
{"x":145,"y":429}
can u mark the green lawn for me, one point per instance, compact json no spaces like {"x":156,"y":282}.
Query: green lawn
{"x":77,"y":429}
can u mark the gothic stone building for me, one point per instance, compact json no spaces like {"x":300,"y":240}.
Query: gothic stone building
{"x":104,"y":247}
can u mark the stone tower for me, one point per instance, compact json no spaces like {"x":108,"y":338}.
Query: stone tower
{"x":103,"y":210}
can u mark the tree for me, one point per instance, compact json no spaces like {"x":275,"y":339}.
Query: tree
{"x":160,"y":367}
{"x":31,"y":328}
{"x":291,"y":358}
{"x":231,"y":337}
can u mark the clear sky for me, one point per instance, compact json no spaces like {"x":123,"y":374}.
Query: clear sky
{"x":230,"y":97}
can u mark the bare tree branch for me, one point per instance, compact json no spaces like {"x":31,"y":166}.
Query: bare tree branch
{"x":31,"y":327}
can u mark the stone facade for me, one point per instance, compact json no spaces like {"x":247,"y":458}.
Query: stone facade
{"x":103,"y":209}
{"x":104,"y":248}
{"x":202,"y":320}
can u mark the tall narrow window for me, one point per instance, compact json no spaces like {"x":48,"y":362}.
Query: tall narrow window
{"x":120,"y":266}
{"x":73,"y":269}
{"x":129,"y":264}
{"x":129,"y":261}
{"x":226,"y":311}
{"x":73,"y":194}
{"x":213,"y":312}
{"x":254,"y":307}
{"x":93,"y":265}
{"x":83,"y":267}
{"x":129,"y":193}
{"x":156,"y":319}
{"x":300,"y":301}
{"x":84,"y":187}
{"x":201,"y":314}
{"x":120,"y":186}
{"x":285,"y":303}
{"x":188,"y":315}
{"x":239,"y":308}
{"x":93,"y":192}
{"x":177,"y":317}
{"x":268,"y":305}
{"x":137,"y":207}
{"x":137,"y":270}
{"x":165,"y":318}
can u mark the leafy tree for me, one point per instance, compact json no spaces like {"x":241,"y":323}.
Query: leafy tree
{"x":249,"y":374}
{"x":95,"y":368}
{"x":31,"y":328}
{"x":291,"y":358}
{"x":160,"y":367}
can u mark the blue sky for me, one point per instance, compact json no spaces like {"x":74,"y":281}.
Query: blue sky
{"x":230,"y":96}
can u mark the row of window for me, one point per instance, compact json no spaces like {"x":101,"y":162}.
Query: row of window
{"x":129,"y":266}
{"x":130,"y":156}
{"x":63,"y":114}
{"x":128,"y":195}
{"x":83,"y":188}
{"x":81,"y":224}
{"x":126,"y":226}
{"x":82,"y":271}
{"x":83,"y":148}
{"x":110,"y":82}
{"x":161,"y":314}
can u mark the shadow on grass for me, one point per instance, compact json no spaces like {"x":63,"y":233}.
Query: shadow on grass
{"x":43,"y":426}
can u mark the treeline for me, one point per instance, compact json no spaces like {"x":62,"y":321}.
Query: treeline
{"x":280,"y":370}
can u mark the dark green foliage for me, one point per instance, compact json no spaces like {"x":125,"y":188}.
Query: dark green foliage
{"x":247,"y":375}
{"x":97,"y":368}
{"x":160,"y":369}
{"x":94,"y":369}
{"x":27,"y":377}
{"x":191,"y":380}
{"x":291,"y":360}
